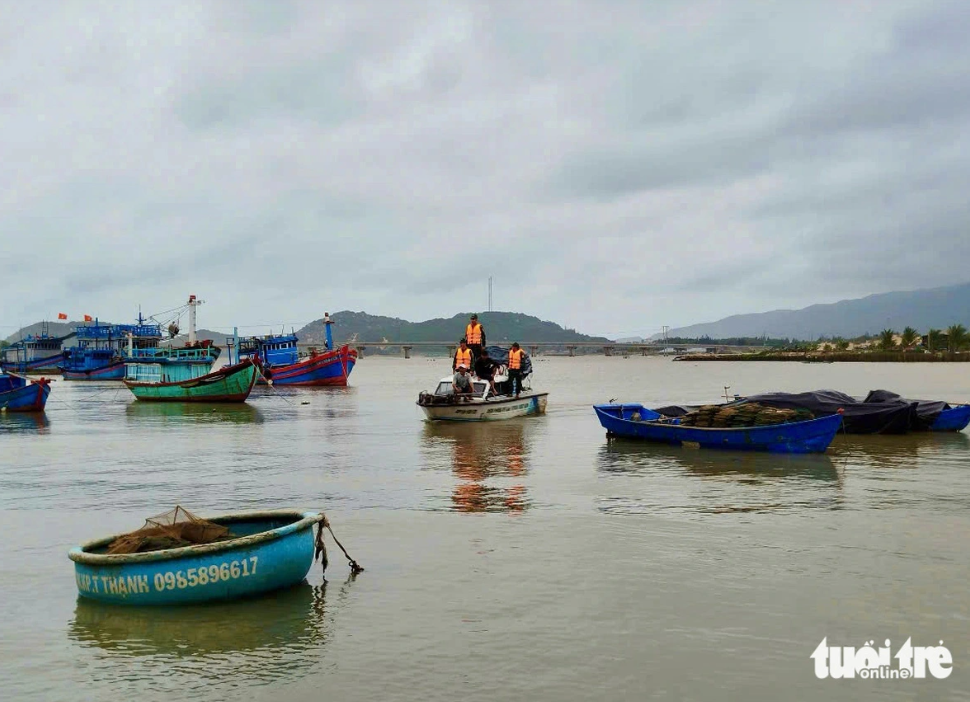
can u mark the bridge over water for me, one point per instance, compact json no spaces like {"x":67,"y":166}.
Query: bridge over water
{"x":608,"y":348}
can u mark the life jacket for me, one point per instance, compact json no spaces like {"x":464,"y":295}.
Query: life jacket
{"x":463,"y":357}
{"x":473,"y":333}
{"x":515,"y":358}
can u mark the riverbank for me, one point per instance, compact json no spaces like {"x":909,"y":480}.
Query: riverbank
{"x":835,"y":356}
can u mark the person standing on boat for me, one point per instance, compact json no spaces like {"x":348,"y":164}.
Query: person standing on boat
{"x":475,"y":336}
{"x":485,"y":369}
{"x":463,"y":356}
{"x":516,"y":362}
{"x":462,"y":383}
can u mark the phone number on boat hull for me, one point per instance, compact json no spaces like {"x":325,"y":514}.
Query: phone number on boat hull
{"x":171,"y":580}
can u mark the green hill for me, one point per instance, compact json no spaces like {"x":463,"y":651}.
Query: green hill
{"x":500,"y":328}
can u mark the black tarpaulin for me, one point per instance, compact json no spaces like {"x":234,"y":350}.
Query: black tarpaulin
{"x":926,"y":410}
{"x":893,"y":416}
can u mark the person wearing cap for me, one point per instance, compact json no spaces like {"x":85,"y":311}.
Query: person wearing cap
{"x":462,"y":382}
{"x":463,"y":356}
{"x":516,"y":362}
{"x":475,"y":336}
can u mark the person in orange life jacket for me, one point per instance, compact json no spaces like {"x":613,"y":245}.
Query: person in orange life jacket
{"x":463,"y":356}
{"x":475,"y":336}
{"x":516,"y":361}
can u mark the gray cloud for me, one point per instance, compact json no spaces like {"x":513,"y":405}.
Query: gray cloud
{"x":616,"y":167}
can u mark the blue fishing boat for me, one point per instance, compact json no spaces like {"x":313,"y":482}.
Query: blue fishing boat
{"x":638,"y":422}
{"x":262,"y":551}
{"x":101,"y":350}
{"x":280,"y":361}
{"x":35,"y":353}
{"x":19,"y":394}
{"x":952,"y":419}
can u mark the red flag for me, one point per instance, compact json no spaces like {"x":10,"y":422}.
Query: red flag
{"x":88,"y":318}
{"x":61,"y":315}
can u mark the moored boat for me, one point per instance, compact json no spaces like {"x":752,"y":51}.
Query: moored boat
{"x":35,"y":353}
{"x":227,"y":384}
{"x":18,"y":394}
{"x":636,"y":421}
{"x":280,"y":361}
{"x":263,"y":551}
{"x":101,"y":354}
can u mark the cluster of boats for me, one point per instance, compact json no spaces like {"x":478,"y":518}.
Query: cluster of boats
{"x":135,"y":355}
{"x":880,"y":412}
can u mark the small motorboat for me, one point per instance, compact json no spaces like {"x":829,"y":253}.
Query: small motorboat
{"x":257,"y":552}
{"x":18,"y":394}
{"x":482,"y":405}
{"x":638,"y":422}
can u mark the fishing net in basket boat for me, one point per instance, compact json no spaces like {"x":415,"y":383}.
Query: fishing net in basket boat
{"x":172,"y":529}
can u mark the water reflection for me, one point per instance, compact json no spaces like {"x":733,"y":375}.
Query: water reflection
{"x":479,"y":455}
{"x":180,"y":413}
{"x":901,"y":451}
{"x":650,"y":477}
{"x":24,"y":423}
{"x":247,"y":642}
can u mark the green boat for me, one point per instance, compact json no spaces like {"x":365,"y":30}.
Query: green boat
{"x":184,"y":374}
{"x":160,"y":382}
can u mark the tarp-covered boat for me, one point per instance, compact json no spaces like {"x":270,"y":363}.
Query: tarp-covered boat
{"x":264,"y":551}
{"x":930,"y":415}
{"x":638,"y":422}
{"x":18,"y":394}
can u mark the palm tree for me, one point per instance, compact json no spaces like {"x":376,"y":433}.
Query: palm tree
{"x":841,"y":344}
{"x":957,"y":336}
{"x":908,"y":337}
{"x":934,"y":340}
{"x":886,"y":340}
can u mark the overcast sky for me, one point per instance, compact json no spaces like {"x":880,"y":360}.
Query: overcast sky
{"x":615,"y":166}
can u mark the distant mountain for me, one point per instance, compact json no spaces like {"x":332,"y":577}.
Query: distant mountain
{"x":500,"y":328}
{"x":935,"y":308}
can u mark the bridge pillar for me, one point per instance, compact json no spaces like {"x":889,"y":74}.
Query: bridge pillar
{"x":644,"y":350}
{"x":451,"y":351}
{"x":608,"y":350}
{"x":407,"y":351}
{"x":360,"y":351}
{"x":572,"y":351}
{"x":533,"y":350}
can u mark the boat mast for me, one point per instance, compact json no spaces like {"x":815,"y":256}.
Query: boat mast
{"x":193,"y":303}
{"x":327,"y":323}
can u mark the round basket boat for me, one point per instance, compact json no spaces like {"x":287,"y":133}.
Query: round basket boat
{"x":271,"y":550}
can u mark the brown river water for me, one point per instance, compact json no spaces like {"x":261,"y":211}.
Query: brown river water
{"x":531,"y":559}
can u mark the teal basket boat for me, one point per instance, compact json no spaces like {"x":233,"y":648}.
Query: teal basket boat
{"x":269,"y":551}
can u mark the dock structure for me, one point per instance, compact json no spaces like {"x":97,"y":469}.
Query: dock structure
{"x":536,"y":347}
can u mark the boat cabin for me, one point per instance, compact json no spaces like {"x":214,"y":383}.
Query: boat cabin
{"x":274,"y":350}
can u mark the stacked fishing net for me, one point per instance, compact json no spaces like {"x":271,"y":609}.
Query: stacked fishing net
{"x":172,"y":529}
{"x":744,"y":415}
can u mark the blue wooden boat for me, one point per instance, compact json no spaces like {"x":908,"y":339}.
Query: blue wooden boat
{"x":35,"y":353}
{"x":268,"y":551}
{"x":280,"y":361}
{"x":638,"y":422}
{"x":101,"y":351}
{"x":18,"y":394}
{"x":952,"y":419}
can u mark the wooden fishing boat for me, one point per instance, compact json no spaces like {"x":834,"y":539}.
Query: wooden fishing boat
{"x":268,"y":551}
{"x":227,"y":384}
{"x":18,"y":394}
{"x":100,"y":353}
{"x":952,"y":419}
{"x":35,"y":353}
{"x":280,"y":361}
{"x":638,"y":422}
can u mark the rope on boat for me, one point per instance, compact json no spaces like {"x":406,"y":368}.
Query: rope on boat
{"x":320,"y":551}
{"x":273,"y":388}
